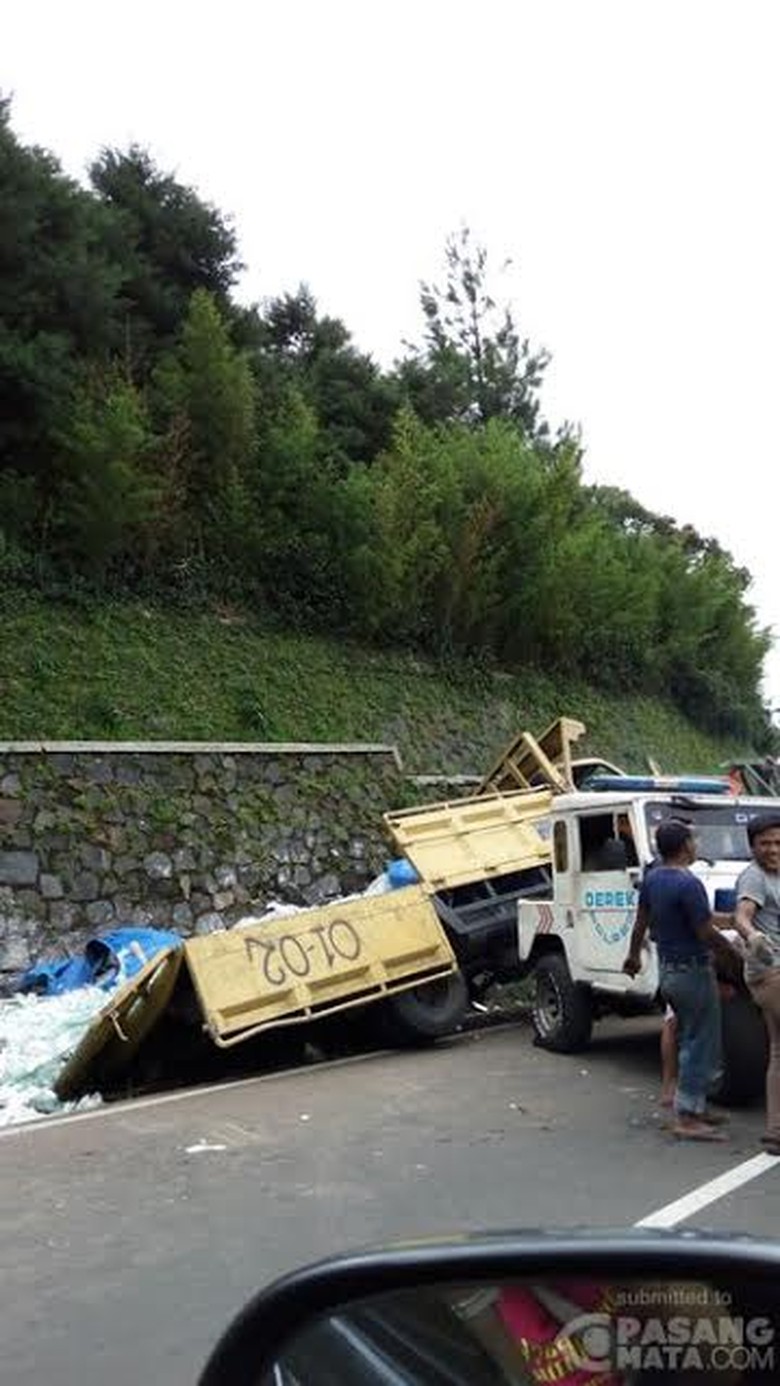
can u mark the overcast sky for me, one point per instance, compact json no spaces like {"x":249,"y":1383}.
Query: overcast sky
{"x":623,"y":153}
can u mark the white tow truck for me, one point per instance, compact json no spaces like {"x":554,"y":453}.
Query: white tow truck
{"x":574,"y":938}
{"x":537,"y":874}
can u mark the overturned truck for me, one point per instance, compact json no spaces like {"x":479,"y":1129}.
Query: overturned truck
{"x":410,"y":961}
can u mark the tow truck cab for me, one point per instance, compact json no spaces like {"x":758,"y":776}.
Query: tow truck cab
{"x":575,"y":941}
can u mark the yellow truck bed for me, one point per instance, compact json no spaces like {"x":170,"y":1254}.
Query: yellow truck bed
{"x":475,"y":839}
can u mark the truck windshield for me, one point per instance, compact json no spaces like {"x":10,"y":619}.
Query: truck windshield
{"x":720,"y":829}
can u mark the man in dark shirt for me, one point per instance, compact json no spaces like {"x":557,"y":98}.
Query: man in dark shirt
{"x":673,"y":905}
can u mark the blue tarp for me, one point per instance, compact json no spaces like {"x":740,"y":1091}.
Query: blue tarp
{"x":108,"y":960}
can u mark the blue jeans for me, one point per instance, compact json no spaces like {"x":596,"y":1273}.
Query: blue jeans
{"x":692,"y":991}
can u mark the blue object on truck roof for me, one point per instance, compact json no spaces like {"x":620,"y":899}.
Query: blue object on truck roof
{"x":649,"y":784}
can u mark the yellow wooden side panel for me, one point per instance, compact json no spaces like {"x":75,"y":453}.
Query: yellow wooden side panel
{"x":118,"y":1030}
{"x":318,"y":961}
{"x":473,"y":839}
{"x":525,"y":757}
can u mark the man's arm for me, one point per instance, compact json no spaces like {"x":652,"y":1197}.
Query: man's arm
{"x":744,"y":917}
{"x":751,"y":897}
{"x":724,"y":953}
{"x":758,"y":944}
{"x":704,"y":925}
{"x":633,"y":962}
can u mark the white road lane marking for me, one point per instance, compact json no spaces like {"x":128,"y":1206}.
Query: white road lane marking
{"x":693,"y":1202}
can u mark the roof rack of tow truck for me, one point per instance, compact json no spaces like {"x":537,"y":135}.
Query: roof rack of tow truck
{"x":650,"y":784}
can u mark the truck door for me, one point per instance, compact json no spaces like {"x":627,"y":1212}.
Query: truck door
{"x":554,"y":913}
{"x":606,"y":895}
{"x":563,"y":862}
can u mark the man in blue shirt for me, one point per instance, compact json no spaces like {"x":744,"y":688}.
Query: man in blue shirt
{"x":673,"y":906}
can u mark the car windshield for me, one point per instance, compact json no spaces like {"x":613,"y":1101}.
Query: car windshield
{"x":720,"y":830}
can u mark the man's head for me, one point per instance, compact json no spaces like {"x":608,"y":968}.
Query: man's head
{"x":764,"y":838}
{"x":675,"y":842}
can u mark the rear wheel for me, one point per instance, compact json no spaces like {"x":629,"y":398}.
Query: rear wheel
{"x":426,"y":1013}
{"x":562,"y":1009}
{"x":745,"y":1050}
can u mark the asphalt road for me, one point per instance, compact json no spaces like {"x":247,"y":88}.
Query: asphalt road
{"x":130,"y":1236}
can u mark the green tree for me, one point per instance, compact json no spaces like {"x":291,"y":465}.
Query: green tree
{"x":473,"y":364}
{"x":299,"y":546}
{"x":712,"y":647}
{"x":354,"y":402}
{"x":449,"y":559}
{"x":704,"y":646}
{"x":204,"y":397}
{"x":58,"y":299}
{"x":169,"y":243}
{"x":110,"y":497}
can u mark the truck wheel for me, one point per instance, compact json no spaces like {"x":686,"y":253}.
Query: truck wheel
{"x":562,"y":1009}
{"x":426,"y":1013}
{"x":745,"y":1051}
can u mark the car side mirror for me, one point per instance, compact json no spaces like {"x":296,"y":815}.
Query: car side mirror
{"x":496,"y":1310}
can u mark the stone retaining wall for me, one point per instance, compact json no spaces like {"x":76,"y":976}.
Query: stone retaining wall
{"x":180,"y":835}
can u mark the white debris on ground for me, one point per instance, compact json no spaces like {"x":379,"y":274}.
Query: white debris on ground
{"x":37,"y":1033}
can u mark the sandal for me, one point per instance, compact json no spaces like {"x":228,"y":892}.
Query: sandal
{"x":696,"y":1131}
{"x":711,"y":1117}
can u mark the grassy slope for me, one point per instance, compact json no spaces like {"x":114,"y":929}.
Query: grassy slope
{"x":135,"y":672}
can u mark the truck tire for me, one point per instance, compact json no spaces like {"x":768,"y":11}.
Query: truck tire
{"x":425,"y":1013}
{"x":562,"y":1009}
{"x":745,"y":1052}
